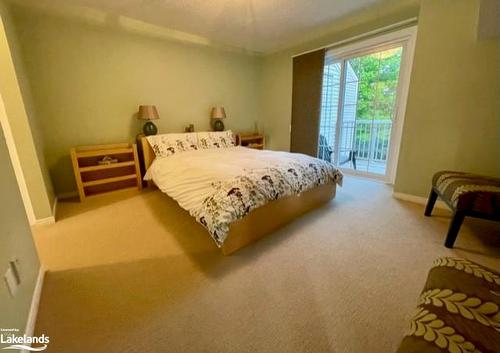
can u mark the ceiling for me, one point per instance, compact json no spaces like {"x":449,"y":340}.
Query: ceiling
{"x":254,"y":25}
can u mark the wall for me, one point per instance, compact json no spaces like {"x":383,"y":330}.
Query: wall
{"x":452,"y":111}
{"x":88,"y":80}
{"x":489,"y":18}
{"x":276,"y":68}
{"x":452,"y":117}
{"x":15,"y":242}
{"x":16,"y":95}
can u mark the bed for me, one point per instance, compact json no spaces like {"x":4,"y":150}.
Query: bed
{"x":238,"y":194}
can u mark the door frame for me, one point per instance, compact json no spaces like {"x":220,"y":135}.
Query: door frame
{"x":405,"y":37}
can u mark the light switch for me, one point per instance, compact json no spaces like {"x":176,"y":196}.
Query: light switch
{"x":11,"y":281}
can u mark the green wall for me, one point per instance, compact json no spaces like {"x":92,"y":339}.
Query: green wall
{"x":452,"y":116}
{"x":15,"y":242}
{"x":15,"y":91}
{"x":88,"y":80}
{"x":88,"y":77}
{"x":276,"y":68}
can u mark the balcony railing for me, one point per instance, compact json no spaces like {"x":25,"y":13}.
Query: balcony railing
{"x":368,"y":139}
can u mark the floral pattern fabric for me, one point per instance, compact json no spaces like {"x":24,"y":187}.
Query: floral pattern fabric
{"x":233,"y":199}
{"x":222,"y":139}
{"x":458,"y":311}
{"x":165,"y":145}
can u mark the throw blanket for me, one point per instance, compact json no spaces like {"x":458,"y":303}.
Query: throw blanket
{"x":458,"y":311}
{"x":221,"y":186}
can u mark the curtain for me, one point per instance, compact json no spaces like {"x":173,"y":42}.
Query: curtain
{"x":306,"y":102}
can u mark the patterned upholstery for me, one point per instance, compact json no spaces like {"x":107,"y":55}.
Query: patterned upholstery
{"x":458,"y":310}
{"x":469,"y":192}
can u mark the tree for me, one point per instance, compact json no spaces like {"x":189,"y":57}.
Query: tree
{"x":378,"y":76}
{"x":378,"y":79}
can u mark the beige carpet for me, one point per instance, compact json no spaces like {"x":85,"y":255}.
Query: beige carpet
{"x":134,"y":273}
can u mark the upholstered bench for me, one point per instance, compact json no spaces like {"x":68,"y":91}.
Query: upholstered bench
{"x":458,"y":310}
{"x":467,"y":195}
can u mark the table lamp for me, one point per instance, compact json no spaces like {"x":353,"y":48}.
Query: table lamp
{"x":148,"y":112}
{"x":217,"y":114}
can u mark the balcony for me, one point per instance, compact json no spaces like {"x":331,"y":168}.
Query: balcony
{"x":363,"y":146}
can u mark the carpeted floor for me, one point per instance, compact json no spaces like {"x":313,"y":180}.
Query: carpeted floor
{"x":134,"y":273}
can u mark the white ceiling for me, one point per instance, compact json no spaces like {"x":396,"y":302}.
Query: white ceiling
{"x":254,"y":25}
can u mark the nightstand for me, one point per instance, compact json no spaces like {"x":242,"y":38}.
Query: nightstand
{"x":251,"y":140}
{"x":94,"y":177}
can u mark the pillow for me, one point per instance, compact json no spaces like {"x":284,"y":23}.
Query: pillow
{"x":216,"y":139}
{"x":168,"y":144}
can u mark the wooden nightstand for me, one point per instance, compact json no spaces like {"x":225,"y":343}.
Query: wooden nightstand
{"x":251,"y":140}
{"x":93,"y":178}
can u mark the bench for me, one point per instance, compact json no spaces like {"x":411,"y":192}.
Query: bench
{"x":467,"y":195}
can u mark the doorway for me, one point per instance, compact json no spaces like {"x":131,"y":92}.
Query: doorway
{"x":364,"y":94}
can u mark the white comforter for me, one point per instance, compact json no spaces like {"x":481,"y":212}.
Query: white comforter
{"x":187,"y":177}
{"x":192,"y":177}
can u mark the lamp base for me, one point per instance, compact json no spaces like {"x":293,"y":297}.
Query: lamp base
{"x":218,"y":125}
{"x":149,"y":129}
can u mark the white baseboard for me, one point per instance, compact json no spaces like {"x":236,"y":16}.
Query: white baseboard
{"x":418,"y":199}
{"x":54,"y":208}
{"x":35,"y":302}
{"x":47,"y":220}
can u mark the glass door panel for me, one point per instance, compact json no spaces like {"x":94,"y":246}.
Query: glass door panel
{"x":359,"y":105}
{"x":329,"y":111}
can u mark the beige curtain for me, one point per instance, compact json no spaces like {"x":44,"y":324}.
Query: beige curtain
{"x":306,"y":102}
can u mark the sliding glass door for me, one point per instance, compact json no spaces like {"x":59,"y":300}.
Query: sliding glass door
{"x":361,"y":103}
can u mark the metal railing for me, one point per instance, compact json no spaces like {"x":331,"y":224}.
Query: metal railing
{"x":369,"y":139}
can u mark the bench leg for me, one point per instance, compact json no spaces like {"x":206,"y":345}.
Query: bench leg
{"x":430,"y":203}
{"x":455,"y":224}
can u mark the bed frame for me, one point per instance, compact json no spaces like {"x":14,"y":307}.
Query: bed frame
{"x":265,"y":219}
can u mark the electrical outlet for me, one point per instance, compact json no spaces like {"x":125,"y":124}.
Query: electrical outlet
{"x":11,"y":282}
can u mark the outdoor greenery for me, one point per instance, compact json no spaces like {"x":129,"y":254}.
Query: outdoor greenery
{"x":378,"y":78}
{"x":370,"y":94}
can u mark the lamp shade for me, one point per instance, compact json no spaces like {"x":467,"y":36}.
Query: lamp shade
{"x":148,"y":112}
{"x":218,"y":113}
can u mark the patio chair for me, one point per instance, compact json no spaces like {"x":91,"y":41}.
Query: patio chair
{"x":351,"y":157}
{"x":325,"y":151}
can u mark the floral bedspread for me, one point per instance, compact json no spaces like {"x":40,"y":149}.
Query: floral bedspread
{"x":232,"y":199}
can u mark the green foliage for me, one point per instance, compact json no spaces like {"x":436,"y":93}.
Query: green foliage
{"x":378,"y":78}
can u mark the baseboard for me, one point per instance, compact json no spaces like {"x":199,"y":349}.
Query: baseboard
{"x":54,"y":208}
{"x":51,"y":219}
{"x":47,"y":220}
{"x":35,"y":302}
{"x":418,"y":199}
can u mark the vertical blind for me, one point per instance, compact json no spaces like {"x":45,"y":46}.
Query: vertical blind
{"x":306,"y":102}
